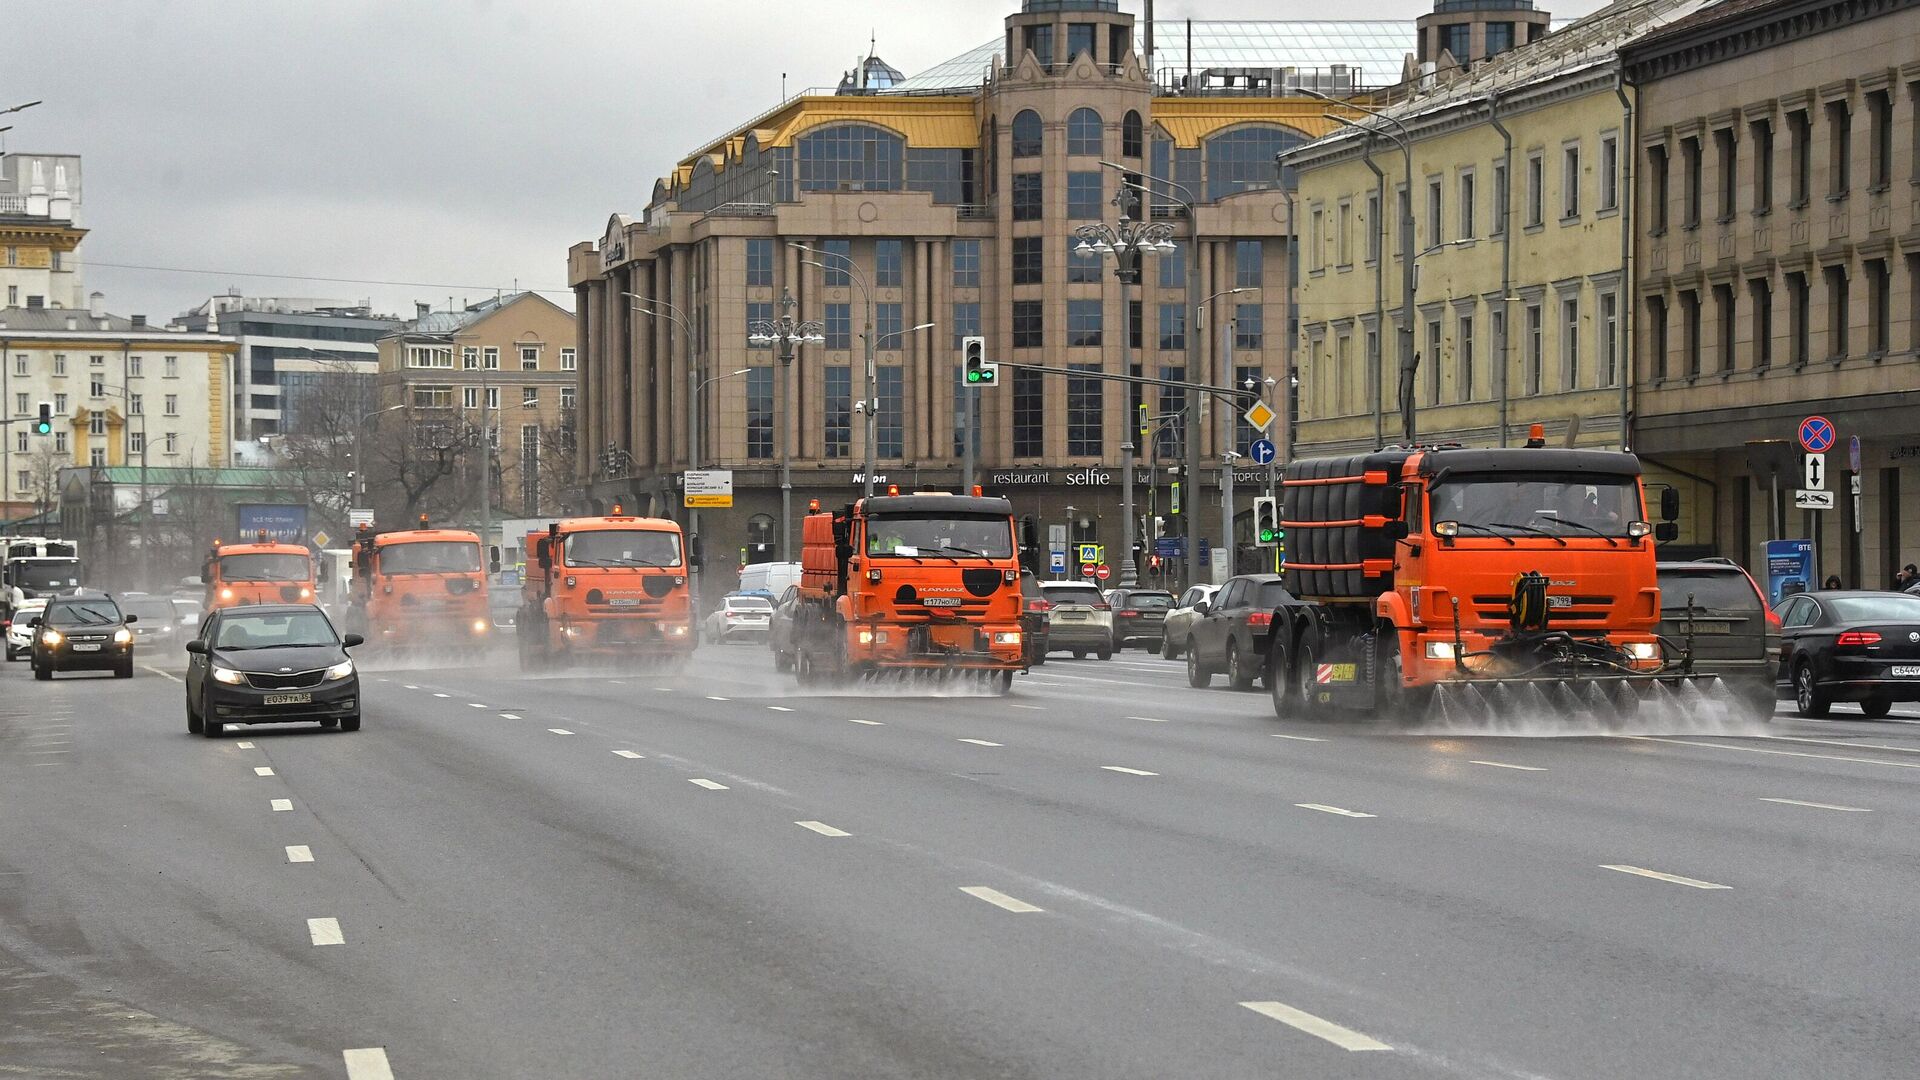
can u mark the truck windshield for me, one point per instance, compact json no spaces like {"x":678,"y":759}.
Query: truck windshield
{"x":431,"y":557}
{"x":623,"y":547}
{"x":966,"y":537}
{"x":46,"y":576}
{"x":1567,"y":504}
{"x":264,"y":566}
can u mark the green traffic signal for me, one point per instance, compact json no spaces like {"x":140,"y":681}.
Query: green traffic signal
{"x":44,"y":425}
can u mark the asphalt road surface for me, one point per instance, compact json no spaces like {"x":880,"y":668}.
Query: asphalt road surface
{"x":1105,"y":874}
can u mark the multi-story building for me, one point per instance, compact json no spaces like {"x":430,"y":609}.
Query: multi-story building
{"x":122,"y":392}
{"x":952,"y":198}
{"x":1514,"y":180}
{"x":291,"y":347}
{"x":39,"y":231}
{"x":1777,"y":273}
{"x":504,"y":371}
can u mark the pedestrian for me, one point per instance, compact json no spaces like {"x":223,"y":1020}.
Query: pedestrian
{"x":1832,"y":582}
{"x":1904,"y":577}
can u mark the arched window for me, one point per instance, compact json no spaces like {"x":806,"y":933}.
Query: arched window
{"x":851,"y":157}
{"x":1130,"y":135}
{"x":1026,"y":134}
{"x":1242,"y":159}
{"x":1083,"y":133}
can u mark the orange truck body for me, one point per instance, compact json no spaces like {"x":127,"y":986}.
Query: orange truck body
{"x":920,"y":582}
{"x":608,"y":588}
{"x":420,"y":588}
{"x":234,"y":574}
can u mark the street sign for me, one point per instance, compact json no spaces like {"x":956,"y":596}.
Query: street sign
{"x":1814,"y":472}
{"x":1102,"y":572}
{"x":1092,"y":553}
{"x":357,"y":518}
{"x":1057,"y":562}
{"x":1261,"y":451}
{"x":1173,"y":500}
{"x":708,"y":487}
{"x":1816,"y":434}
{"x":1853,"y":453}
{"x":321,"y":539}
{"x":1087,"y":569}
{"x":1057,"y":537}
{"x":1812,"y":500}
{"x":1170,"y":547}
{"x":1260,"y":415}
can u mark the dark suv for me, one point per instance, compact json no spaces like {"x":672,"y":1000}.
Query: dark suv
{"x":82,"y":633}
{"x":1232,"y":631}
{"x":1734,"y":635}
{"x":1139,"y":616}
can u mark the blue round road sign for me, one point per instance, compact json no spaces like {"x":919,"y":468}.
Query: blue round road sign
{"x":1816,"y":434}
{"x":1261,"y":451}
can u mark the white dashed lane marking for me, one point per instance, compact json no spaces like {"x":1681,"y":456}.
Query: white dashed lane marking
{"x":708,"y":784}
{"x":443,"y":695}
{"x":869,"y":723}
{"x":1017,"y":705}
{"x":243,"y":746}
{"x":325,"y":932}
{"x":367,"y":1063}
{"x":1343,"y":1037}
{"x":779,"y":708}
{"x":999,"y":899}
{"x":299,"y":853}
{"x":981,"y":742}
{"x":1129,"y":772}
{"x":280,"y":805}
{"x":1148,"y":719}
{"x":1297,"y":738}
{"x":1640,"y":871}
{"x":629,"y":754}
{"x":1325,"y":809}
{"x":509,"y":716}
{"x":822,"y":828}
{"x":475,"y":705}
{"x":1504,"y":765}
{"x":263,"y":770}
{"x":717,"y":697}
{"x":1820,"y":806}
{"x":559,"y":731}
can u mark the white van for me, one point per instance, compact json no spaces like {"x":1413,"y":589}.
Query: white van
{"x":769,"y":578}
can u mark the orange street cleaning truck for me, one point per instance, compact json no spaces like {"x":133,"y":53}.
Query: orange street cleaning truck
{"x":1472,"y":585}
{"x":262,"y":572}
{"x":605,"y":588}
{"x":926,"y":583}
{"x":419,"y":588}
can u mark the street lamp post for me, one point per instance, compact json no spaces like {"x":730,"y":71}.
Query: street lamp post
{"x":1126,"y":241}
{"x":871,"y":404}
{"x":359,"y":445}
{"x":789,"y":334}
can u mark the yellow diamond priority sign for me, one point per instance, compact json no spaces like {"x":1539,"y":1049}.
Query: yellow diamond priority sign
{"x":1260,"y":416}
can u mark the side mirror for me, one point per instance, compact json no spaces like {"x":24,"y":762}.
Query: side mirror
{"x":197,"y":647}
{"x":1666,"y":532}
{"x":1669,"y":504}
{"x":493,"y":559}
{"x":131,"y":619}
{"x":696,"y":551}
{"x":323,"y":573}
{"x":543,"y":553}
{"x":33,"y":622}
{"x":351,"y":640}
{"x":1397,"y":530}
{"x":1202,"y":608}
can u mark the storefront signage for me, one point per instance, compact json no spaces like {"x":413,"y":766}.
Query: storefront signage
{"x":1090,"y":476}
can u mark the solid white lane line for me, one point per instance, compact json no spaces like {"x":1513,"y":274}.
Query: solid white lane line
{"x":1148,"y":719}
{"x":299,"y":853}
{"x":263,"y":770}
{"x":1843,"y":742}
{"x":1504,"y":765}
{"x":325,"y":932}
{"x":717,"y":697}
{"x":1777,"y":753}
{"x":559,"y":731}
{"x":280,"y":805}
{"x":629,"y":754}
{"x":1033,"y":708}
{"x":1296,"y":738}
{"x":1343,"y":1037}
{"x":1820,"y":806}
{"x":869,"y":723}
{"x":981,"y":742}
{"x":1641,"y":871}
{"x":1129,"y":772}
{"x":822,"y":828}
{"x":708,"y":784}
{"x":443,"y":695}
{"x":1325,"y":809}
{"x":509,"y":716}
{"x":475,"y":705}
{"x":243,"y":746}
{"x":162,"y":674}
{"x":368,"y":1063}
{"x":999,"y":899}
{"x":779,"y":708}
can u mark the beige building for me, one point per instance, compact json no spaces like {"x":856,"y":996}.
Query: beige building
{"x":506,"y":370}
{"x":1778,"y":272}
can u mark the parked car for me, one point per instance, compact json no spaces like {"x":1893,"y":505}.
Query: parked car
{"x":1080,"y":620}
{"x":1849,"y":646}
{"x":1733,"y":634}
{"x":780,"y":628}
{"x":187,"y":612}
{"x":157,"y":626}
{"x":82,"y":633}
{"x":1139,"y":616}
{"x":1034,"y":618}
{"x":739,"y":617}
{"x":270,"y":664}
{"x":1231,"y":633}
{"x":769,"y":579}
{"x":20,"y":627}
{"x":1179,"y":624}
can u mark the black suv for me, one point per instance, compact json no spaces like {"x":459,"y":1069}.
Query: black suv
{"x":270,"y":664}
{"x":1232,"y":631}
{"x":1139,"y":615}
{"x":1734,"y":636}
{"x":82,"y":633}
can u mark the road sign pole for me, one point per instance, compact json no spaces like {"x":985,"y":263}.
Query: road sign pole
{"x":1226,"y":511}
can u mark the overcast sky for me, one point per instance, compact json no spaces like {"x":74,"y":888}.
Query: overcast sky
{"x":459,"y":144}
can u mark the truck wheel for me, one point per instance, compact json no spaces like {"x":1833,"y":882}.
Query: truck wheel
{"x":1807,"y":698}
{"x":1280,"y":673}
{"x":1306,"y":657}
{"x":782,"y":662}
{"x":1238,"y":677}
{"x":1001,"y":682}
{"x":1198,"y":676}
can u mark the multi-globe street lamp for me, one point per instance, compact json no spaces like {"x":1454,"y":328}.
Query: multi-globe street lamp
{"x":788,"y":334}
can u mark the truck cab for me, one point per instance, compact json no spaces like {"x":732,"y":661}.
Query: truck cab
{"x":611,"y":588}
{"x":263,"y":571}
{"x":37,"y":567}
{"x":420,"y":588}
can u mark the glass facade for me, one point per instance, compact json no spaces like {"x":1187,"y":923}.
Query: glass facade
{"x":1085,"y":413}
{"x":966,"y":264}
{"x":758,"y":312}
{"x":851,"y":157}
{"x":760,"y":261}
{"x":838,"y":434}
{"x":1131,"y":134}
{"x":1249,"y":326}
{"x":1029,"y":414}
{"x":1084,"y":133}
{"x":1027,"y":200}
{"x":1029,"y":259}
{"x":839,"y":326}
{"x":889,"y":383}
{"x":966,"y":320}
{"x":1084,"y":318}
{"x":760,"y":413}
{"x":836,"y":255}
{"x":1083,"y":195}
{"x":1081,"y":269}
{"x":1029,"y":324}
{"x":1173,"y":268}
{"x":1173,"y":326}
{"x":1027,"y":137}
{"x":1242,"y":159}
{"x":887,"y":273}
{"x":1247,"y":264}
{"x":888,"y":326}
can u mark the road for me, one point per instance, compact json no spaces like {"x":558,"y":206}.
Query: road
{"x":1106,"y":874}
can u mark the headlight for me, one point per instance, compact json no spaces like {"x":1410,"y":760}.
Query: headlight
{"x":679,"y":631}
{"x":1439,"y":650}
{"x":50,"y":637}
{"x":340,"y":671}
{"x":306,"y":594}
{"x":1643,"y":650}
{"x":1006,"y":637}
{"x":866,"y":637}
{"x":227,"y":675}
{"x":122,"y":636}
{"x":479,"y":626}
{"x":226,"y":594}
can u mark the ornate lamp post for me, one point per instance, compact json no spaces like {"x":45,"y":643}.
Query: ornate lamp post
{"x":788,"y":335}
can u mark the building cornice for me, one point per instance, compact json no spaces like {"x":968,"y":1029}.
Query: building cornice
{"x":1764,"y":27}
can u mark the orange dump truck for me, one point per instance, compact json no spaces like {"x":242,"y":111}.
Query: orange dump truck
{"x":419,"y":588}
{"x":262,"y":572}
{"x":605,"y":588}
{"x":922,"y":583}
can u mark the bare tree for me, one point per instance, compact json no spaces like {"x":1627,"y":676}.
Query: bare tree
{"x":559,"y":457}
{"x":43,"y":468}
{"x":326,"y":425}
{"x":411,"y":457}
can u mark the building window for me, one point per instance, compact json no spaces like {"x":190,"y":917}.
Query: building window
{"x":1132,"y":133}
{"x":24,"y":479}
{"x":59,"y":405}
{"x":1026,"y":132}
{"x":1242,"y":159}
{"x":760,"y":261}
{"x":20,"y":364}
{"x":529,"y":358}
{"x":136,"y":442}
{"x":759,"y":313}
{"x":760,"y":413}
{"x":1248,"y":270}
{"x":889,"y":326}
{"x":1083,"y":195}
{"x":1466,"y":205}
{"x":1029,"y":325}
{"x":966,"y":264}
{"x":1433,"y":362}
{"x":850,"y":157}
{"x":1029,"y":260}
{"x":887,"y":271}
{"x":1837,"y":299}
{"x":1723,"y":317}
{"x":1570,"y":343}
{"x":1761,"y":132}
{"x":1082,"y":269}
{"x":1609,"y":175}
{"x":1084,"y":133}
{"x":1029,"y":414}
{"x":1536,"y":197}
{"x":493,"y":398}
{"x":1690,"y":181}
{"x":490,"y":358}
{"x":1569,"y":182}
{"x":1501,"y":199}
{"x":1609,"y":339}
{"x":1463,"y":347}
{"x":529,"y":397}
{"x":97,"y":457}
{"x":838,"y":433}
{"x":1880,"y":139}
{"x":1084,"y":323}
{"x":1436,"y":229}
{"x":1657,"y":181}
{"x":966,"y":321}
{"x":97,"y":360}
{"x":1496,"y":346}
{"x":837,"y":260}
{"x":1249,"y":326}
{"x":424,"y":397}
{"x":889,"y":389}
{"x":136,"y":405}
{"x":1800,"y":317}
{"x":425,"y":356}
{"x":1690,"y":330}
{"x":1137,"y":317}
{"x":566,"y":399}
{"x":1373,"y":226}
{"x":1761,"y":292}
{"x":1246,"y":377}
{"x":1173,"y":268}
{"x":1085,"y":401}
{"x":1027,"y":201}
{"x":839,"y":326}
{"x":1173,"y":326}
{"x":1316,"y":239}
{"x":97,"y":386}
{"x":470,"y":358}
{"x":568,"y":360}
{"x":1839,"y":149}
{"x":469,"y":397}
{"x":59,"y":363}
{"x":170,"y":367}
{"x":1172,"y":400}
{"x":1726,"y":158}
{"x":1536,"y":361}
{"x":1800,"y":131}
{"x":170,"y":443}
{"x":172,"y":402}
{"x":97,"y":424}
{"x":21,"y":441}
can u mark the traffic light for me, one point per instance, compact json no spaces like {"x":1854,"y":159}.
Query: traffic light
{"x":44,"y":425}
{"x":979,"y":372}
{"x":1266,"y":522}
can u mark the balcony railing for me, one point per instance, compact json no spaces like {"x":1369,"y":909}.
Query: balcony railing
{"x":13,"y":204}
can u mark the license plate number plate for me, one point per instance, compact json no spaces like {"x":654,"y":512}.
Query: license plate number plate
{"x":1711,"y":627}
{"x":1559,"y":602}
{"x":287,"y":699}
{"x":1906,"y":671}
{"x":623,"y":602}
{"x":86,"y":648}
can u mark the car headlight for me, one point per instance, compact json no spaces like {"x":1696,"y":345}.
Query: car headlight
{"x":1439,"y":650}
{"x":479,"y":626}
{"x":1643,"y":650}
{"x":340,"y":671}
{"x":1006,"y":637}
{"x":122,"y":636}
{"x":50,"y":637}
{"x":227,"y":675}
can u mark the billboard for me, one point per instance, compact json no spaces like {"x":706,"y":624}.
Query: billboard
{"x":285,"y":522}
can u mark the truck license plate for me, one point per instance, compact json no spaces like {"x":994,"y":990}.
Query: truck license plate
{"x":1906,"y":671}
{"x":619,"y":601}
{"x":86,"y":648}
{"x":287,"y":699}
{"x":1559,"y":601}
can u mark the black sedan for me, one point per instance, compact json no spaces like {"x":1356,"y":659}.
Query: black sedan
{"x":270,"y":664}
{"x":82,"y":633}
{"x":1849,"y":646}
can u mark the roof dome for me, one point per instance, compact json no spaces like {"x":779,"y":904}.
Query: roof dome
{"x":871,"y":76}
